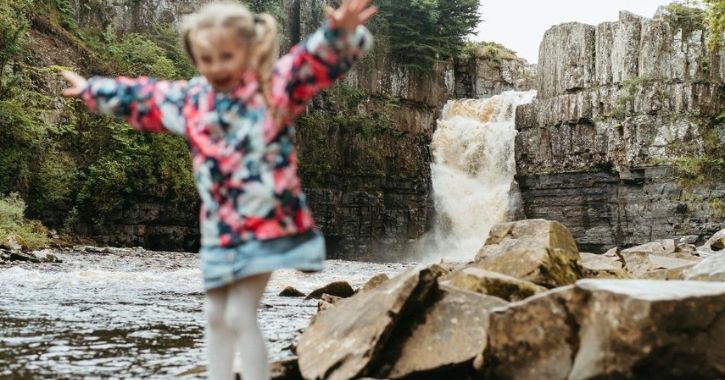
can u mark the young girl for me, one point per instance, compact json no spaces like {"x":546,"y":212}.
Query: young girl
{"x":237,"y":117}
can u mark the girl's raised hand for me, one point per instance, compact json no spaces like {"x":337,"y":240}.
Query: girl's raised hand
{"x":351,"y":14}
{"x":77,"y":84}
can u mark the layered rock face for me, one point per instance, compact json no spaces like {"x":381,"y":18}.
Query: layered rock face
{"x":481,"y":78}
{"x":617,"y":104}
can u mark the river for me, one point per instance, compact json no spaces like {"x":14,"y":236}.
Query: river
{"x":130,"y":313}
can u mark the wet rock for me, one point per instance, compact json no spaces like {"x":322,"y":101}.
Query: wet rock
{"x":337,"y":288}
{"x":602,"y":266}
{"x":374,"y":282}
{"x":535,"y":250}
{"x":712,"y":268}
{"x":46,"y":256}
{"x":23,"y":256}
{"x":344,"y":342}
{"x":453,"y":333}
{"x":481,"y":281}
{"x":624,"y":329}
{"x":290,"y":291}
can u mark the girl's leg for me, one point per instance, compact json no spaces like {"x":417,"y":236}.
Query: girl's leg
{"x":241,"y":315}
{"x":220,"y":338}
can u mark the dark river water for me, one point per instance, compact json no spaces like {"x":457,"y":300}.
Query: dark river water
{"x":134,"y":314}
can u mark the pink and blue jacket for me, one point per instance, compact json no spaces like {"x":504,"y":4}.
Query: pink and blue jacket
{"x":244,"y":162}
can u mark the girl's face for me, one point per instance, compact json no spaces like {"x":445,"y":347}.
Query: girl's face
{"x":220,"y":57}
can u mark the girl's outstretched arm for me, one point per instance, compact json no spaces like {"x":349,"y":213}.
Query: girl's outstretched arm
{"x":147,"y":104}
{"x":322,"y":57}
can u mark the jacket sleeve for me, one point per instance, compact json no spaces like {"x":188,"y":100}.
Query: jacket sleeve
{"x":147,"y":104}
{"x":315,"y":64}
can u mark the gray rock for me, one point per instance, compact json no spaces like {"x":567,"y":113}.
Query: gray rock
{"x":345,"y":342}
{"x":537,"y":250}
{"x":608,"y":265}
{"x":338,"y":288}
{"x":714,"y":245}
{"x":46,"y":256}
{"x":625,"y":329}
{"x":617,"y":104}
{"x":689,"y":239}
{"x":374,"y":282}
{"x":494,"y":284}
{"x":646,"y":265}
{"x":712,"y":268}
{"x":453,"y":333}
{"x":290,"y":291}
{"x":23,"y":256}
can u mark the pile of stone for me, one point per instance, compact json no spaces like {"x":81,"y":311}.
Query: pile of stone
{"x":530,"y":306}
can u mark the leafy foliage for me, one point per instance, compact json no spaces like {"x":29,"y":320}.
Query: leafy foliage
{"x":715,"y":20}
{"x":72,"y":166}
{"x":30,"y":234}
{"x":423,"y":31}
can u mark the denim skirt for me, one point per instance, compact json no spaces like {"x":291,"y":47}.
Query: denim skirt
{"x":224,"y":265}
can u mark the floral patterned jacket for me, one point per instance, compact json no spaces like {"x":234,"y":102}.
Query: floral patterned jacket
{"x":245,"y":164}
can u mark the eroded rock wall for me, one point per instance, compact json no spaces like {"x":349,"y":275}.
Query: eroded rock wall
{"x":618,"y":104}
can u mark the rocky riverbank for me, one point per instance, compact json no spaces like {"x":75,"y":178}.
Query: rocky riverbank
{"x":530,"y":306}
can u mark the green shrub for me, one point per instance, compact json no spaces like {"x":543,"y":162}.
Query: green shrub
{"x":30,"y":234}
{"x":687,"y":18}
{"x":715,"y":21}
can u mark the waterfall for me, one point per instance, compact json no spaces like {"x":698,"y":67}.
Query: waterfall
{"x":473,"y":171}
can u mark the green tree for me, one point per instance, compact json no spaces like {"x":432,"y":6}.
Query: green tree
{"x":423,"y":31}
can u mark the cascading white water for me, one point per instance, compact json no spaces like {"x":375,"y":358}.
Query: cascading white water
{"x":473,"y":170}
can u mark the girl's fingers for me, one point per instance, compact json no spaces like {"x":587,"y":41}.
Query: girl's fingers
{"x":77,"y":83}
{"x":360,"y":5}
{"x":367,"y":14}
{"x":330,"y":12}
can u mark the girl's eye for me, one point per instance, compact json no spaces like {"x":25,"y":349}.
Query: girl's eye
{"x":226,"y":56}
{"x":206,"y":59}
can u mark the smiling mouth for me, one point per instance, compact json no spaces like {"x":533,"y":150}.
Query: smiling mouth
{"x":223,"y":82}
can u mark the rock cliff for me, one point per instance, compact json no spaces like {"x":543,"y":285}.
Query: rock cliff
{"x":628,"y":116}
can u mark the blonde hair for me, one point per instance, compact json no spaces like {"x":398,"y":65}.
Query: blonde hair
{"x":257,"y":30}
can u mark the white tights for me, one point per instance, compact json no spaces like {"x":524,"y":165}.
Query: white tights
{"x":232,"y":318}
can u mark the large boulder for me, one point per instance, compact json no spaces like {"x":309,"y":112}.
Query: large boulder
{"x":645,"y":265}
{"x":346,"y":341}
{"x":337,"y":288}
{"x":481,"y":281}
{"x":453,"y":333}
{"x":623,"y":329}
{"x":712,"y":268}
{"x":540,"y":251}
{"x":608,"y":265}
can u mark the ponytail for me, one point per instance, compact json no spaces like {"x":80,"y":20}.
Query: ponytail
{"x":263,"y":53}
